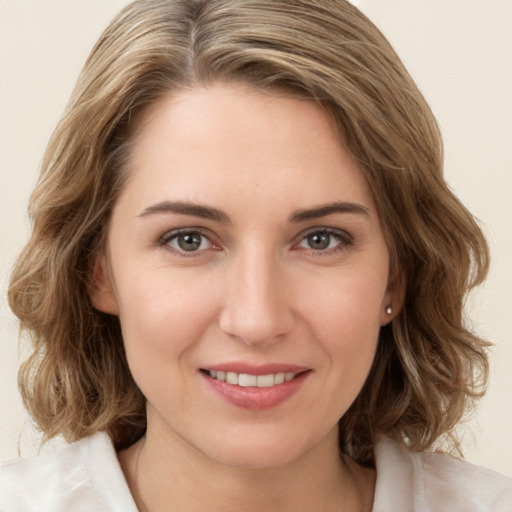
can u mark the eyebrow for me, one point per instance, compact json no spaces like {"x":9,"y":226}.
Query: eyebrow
{"x":214,"y":214}
{"x":328,"y":209}
{"x":184,"y":208}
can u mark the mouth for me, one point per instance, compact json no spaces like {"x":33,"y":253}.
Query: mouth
{"x":255,"y":388}
{"x":247,"y":380}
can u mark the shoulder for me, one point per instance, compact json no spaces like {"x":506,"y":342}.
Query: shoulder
{"x":428,"y":482}
{"x":474,"y":485}
{"x":83,"y":476}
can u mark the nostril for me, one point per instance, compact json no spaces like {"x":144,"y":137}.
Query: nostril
{"x":257,"y":328}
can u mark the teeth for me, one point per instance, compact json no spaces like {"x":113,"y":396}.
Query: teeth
{"x":265,"y":381}
{"x":248,"y":380}
{"x":232,"y":378}
{"x":279,"y":378}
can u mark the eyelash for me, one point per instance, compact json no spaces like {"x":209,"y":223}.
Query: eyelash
{"x":344,"y":240}
{"x":166,"y":240}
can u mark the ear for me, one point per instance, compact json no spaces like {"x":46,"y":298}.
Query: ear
{"x":394,"y":297}
{"x":99,"y":286}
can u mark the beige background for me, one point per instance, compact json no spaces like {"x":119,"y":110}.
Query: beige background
{"x":460,"y":53}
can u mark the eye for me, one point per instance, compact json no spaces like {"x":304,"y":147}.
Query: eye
{"x":186,"y":241}
{"x":325,"y":240}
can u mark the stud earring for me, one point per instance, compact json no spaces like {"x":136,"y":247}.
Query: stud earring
{"x":389,"y":310}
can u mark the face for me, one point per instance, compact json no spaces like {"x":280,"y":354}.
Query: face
{"x":248,"y":267}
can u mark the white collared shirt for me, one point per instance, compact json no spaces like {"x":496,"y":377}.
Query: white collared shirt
{"x":86,"y":477}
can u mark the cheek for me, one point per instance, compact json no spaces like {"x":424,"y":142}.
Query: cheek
{"x":164,"y":313}
{"x":352,"y":296}
{"x":162,"y":320}
{"x":345,"y":315}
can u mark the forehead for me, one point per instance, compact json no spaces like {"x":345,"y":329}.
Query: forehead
{"x":229,"y":139}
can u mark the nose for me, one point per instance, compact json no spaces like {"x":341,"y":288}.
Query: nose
{"x":257,"y":306}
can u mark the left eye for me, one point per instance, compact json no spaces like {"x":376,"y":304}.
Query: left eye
{"x":322,"y":240}
{"x":188,"y":241}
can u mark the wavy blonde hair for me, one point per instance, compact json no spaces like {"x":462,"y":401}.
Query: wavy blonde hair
{"x":429,"y":368}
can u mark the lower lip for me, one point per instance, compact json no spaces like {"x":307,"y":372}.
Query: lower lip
{"x":254,"y":398}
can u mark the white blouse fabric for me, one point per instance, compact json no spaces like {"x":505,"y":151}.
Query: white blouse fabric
{"x":86,"y":477}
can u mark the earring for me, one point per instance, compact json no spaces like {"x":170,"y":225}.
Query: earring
{"x":389,"y":310}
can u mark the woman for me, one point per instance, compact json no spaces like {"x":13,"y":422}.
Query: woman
{"x":241,"y":286}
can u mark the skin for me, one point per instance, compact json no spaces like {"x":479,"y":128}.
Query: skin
{"x":258,"y":289}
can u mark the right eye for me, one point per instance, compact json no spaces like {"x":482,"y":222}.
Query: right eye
{"x":189,"y":241}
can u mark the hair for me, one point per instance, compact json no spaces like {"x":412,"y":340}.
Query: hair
{"x":429,"y":368}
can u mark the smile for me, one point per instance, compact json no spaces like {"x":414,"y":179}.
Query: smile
{"x":255,"y":388}
{"x":247,"y":380}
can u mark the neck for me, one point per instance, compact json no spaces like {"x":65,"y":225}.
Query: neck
{"x":168,"y":475}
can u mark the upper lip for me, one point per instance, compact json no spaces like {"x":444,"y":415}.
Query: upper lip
{"x":256,"y":369}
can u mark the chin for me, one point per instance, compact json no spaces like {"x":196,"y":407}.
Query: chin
{"x":257,"y":459}
{"x":262,"y":451}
